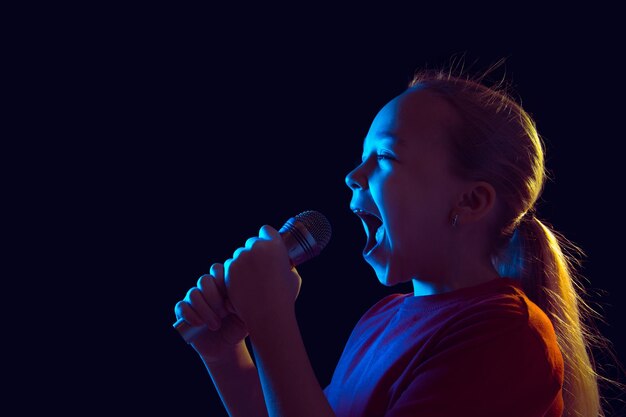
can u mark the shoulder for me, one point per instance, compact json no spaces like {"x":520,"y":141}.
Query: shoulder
{"x":505,"y":307}
{"x":505,"y":322}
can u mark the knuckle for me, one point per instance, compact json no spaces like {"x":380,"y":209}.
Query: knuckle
{"x":192,"y":294}
{"x":239,"y":252}
{"x":187,"y":297}
{"x":216,"y":269}
{"x":178,"y":308}
{"x":203,"y":280}
{"x":227,"y":264}
{"x":185,"y":311}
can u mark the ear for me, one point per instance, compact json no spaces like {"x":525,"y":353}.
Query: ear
{"x":475,"y":202}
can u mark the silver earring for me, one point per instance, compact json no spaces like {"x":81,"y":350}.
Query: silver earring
{"x":455,"y":220}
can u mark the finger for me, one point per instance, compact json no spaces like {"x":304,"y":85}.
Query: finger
{"x":250,"y":242}
{"x":184,"y":311}
{"x":229,"y":306}
{"x":202,"y":308}
{"x":212,"y":295}
{"x":237,"y":252}
{"x":217,"y":270}
{"x":229,"y":270}
{"x":268,"y":232}
{"x":227,"y":263}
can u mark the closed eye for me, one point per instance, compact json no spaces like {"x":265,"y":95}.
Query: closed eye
{"x":382,"y":156}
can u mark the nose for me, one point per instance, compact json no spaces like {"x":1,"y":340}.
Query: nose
{"x":355,"y":179}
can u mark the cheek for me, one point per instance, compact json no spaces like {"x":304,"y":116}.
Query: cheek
{"x":402,"y":223}
{"x":412,"y":223}
{"x":409,"y":213}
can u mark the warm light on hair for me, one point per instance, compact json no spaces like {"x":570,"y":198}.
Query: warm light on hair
{"x":496,"y":141}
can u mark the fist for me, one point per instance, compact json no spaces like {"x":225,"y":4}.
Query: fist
{"x":260,"y":280}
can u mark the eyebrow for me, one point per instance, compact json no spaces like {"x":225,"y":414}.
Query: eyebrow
{"x":392,"y":137}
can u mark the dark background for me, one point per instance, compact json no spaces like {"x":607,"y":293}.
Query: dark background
{"x":154,"y":141}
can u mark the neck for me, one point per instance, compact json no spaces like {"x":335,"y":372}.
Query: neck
{"x":454,"y":281}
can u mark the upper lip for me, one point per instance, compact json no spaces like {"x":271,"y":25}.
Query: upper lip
{"x":360,"y":211}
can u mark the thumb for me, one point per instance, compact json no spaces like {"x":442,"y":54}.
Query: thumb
{"x":268,"y":232}
{"x":298,"y":280}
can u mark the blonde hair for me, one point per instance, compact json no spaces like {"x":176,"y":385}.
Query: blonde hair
{"x":497,"y":141}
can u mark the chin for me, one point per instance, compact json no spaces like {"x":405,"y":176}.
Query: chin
{"x":383,"y":280}
{"x":389,"y":276}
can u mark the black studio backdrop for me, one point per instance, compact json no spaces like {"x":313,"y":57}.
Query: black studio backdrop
{"x":170,"y":142}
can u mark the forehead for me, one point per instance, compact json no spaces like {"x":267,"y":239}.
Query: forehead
{"x":417,"y":117}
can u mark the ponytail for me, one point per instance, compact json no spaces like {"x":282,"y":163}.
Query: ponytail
{"x":545,"y":263}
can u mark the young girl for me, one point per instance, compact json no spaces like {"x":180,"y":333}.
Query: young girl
{"x":450,"y":174}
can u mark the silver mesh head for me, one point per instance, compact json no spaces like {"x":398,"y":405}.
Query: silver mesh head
{"x":318,"y":225}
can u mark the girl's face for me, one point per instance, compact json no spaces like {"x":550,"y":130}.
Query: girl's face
{"x":404,"y":191}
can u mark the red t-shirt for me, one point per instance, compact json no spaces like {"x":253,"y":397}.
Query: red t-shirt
{"x":485,"y":351}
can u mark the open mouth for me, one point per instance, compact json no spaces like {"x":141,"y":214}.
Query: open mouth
{"x":373,"y":228}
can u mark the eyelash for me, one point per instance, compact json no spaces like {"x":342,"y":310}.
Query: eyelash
{"x":382,"y":156}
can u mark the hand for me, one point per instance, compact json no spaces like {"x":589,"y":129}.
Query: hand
{"x":260,"y":280}
{"x":208,"y":305}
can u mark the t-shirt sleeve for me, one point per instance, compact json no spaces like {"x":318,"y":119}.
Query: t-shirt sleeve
{"x":486,"y":364}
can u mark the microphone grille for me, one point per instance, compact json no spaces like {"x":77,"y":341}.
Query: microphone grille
{"x":318,"y":225}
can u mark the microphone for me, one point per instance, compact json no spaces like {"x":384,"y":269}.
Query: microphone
{"x":304,"y":235}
